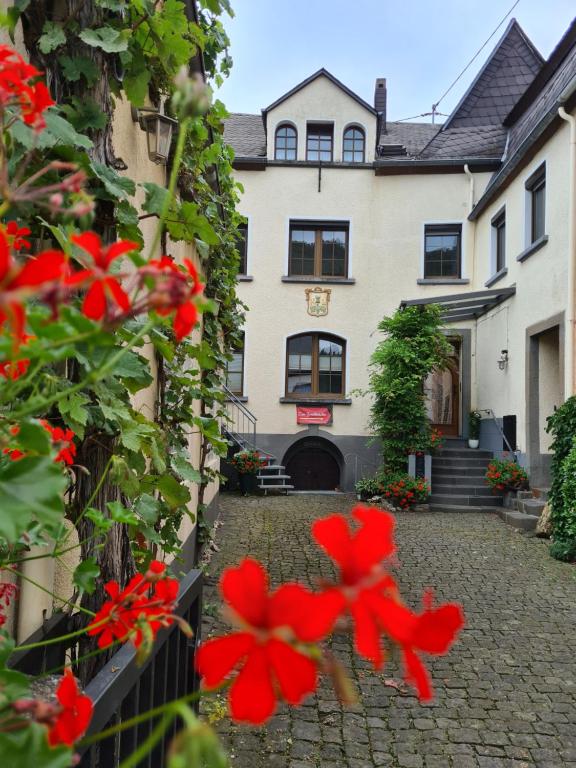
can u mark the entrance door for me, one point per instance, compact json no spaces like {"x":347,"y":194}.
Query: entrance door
{"x":313,"y":469}
{"x":442,"y":389}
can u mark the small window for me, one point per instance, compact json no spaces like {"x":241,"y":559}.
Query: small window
{"x":319,"y":142}
{"x":318,"y":250}
{"x":536,"y":189}
{"x":499,"y":241}
{"x":443,"y":251}
{"x":235,"y":370}
{"x":242,"y":245}
{"x":354,"y":145}
{"x":285,"y":143}
{"x":315,"y":366}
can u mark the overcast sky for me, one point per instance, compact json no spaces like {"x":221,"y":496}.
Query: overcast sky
{"x":420,"y":46}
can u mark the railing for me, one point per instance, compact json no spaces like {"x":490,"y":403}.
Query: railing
{"x":240,"y":422}
{"x":492,"y":415}
{"x":121,"y":689}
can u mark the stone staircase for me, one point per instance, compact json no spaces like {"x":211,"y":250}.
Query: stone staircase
{"x":523,"y":512}
{"x":458,"y":483}
{"x":273,"y":477}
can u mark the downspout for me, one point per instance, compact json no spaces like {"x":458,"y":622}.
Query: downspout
{"x":569,"y":374}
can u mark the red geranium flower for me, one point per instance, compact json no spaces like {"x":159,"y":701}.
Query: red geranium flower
{"x":17,"y":89}
{"x":270,"y":668}
{"x":64,"y":440}
{"x":175,"y":290}
{"x":371,"y":595}
{"x":74,"y":714}
{"x":105,"y":289}
{"x":149,"y":598}
{"x":17,"y":235}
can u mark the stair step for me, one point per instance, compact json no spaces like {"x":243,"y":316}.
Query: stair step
{"x":463,"y":453}
{"x":276,"y":487}
{"x":458,"y":508}
{"x":518,"y":519}
{"x":541,"y":493}
{"x":524,"y":495}
{"x":465,"y":490}
{"x":438,"y":472}
{"x":458,"y":480}
{"x":531,"y":506}
{"x":441,"y":462}
{"x":484,"y":501}
{"x":274,"y":477}
{"x":274,"y":466}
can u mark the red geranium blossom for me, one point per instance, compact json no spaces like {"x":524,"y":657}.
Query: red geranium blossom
{"x":148,"y":598}
{"x":64,"y":440}
{"x":175,"y":289}
{"x":17,"y":281}
{"x":17,"y":88}
{"x":74,"y":714}
{"x":372,"y":596}
{"x":17,"y":235}
{"x":105,"y":289}
{"x":270,"y":667}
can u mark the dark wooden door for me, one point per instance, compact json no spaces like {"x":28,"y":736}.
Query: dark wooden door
{"x":313,"y":469}
{"x":443,"y":395}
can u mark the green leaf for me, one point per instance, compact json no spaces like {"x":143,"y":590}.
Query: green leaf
{"x":74,"y":410}
{"x":79,"y":66}
{"x":117,"y":186}
{"x":33,"y":437}
{"x":186,"y":470}
{"x":31,"y":489}
{"x":85,"y":113}
{"x":29,"y":746}
{"x":134,"y":433}
{"x":174,"y":493}
{"x":108,"y":39}
{"x":120,"y":514}
{"x":85,"y":575}
{"x":155,"y":197}
{"x":135,"y":84}
{"x":147,"y":508}
{"x":52,"y":37}
{"x":58,"y":132}
{"x":101,"y":522}
{"x":7,"y":644}
{"x":13,"y":685}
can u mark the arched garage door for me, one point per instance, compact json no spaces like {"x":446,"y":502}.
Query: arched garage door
{"x":314,"y":464}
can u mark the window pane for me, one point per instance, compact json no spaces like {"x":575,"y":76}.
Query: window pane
{"x":500,"y":246}
{"x":285,"y":148}
{"x":330,"y":367}
{"x":300,"y":364}
{"x":538,"y":208}
{"x":442,"y":254}
{"x":302,"y":252}
{"x":353,"y":146}
{"x":319,"y":142}
{"x":333,"y":253}
{"x":235,"y":372}
{"x":242,"y":243}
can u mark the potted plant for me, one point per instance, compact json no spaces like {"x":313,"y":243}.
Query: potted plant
{"x":247,"y":464}
{"x":474,"y":420}
{"x":507,"y":476}
{"x":403,"y":490}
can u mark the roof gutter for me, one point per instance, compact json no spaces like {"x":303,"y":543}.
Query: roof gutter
{"x":570,"y":372}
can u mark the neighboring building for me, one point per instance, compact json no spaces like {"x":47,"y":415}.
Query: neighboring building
{"x":348,"y":215}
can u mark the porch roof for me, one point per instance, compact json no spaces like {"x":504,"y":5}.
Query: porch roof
{"x":465,"y":306}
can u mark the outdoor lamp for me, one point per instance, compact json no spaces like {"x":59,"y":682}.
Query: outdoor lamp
{"x":503,"y":359}
{"x":159,"y":129}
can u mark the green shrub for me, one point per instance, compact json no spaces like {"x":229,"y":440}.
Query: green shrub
{"x":562,"y":426}
{"x":564,"y":551}
{"x":474,"y":419}
{"x":368,"y":487}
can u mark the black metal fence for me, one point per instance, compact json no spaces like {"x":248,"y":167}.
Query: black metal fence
{"x":122,"y":690}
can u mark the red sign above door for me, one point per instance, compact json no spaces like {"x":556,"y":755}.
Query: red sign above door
{"x":318,"y":414}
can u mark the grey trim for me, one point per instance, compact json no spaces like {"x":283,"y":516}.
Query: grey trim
{"x":241,"y":398}
{"x":442,"y":281}
{"x":316,"y":401}
{"x":315,"y":163}
{"x":497,"y":216}
{"x":245,"y":278}
{"x":535,"y":246}
{"x":359,"y":455}
{"x":496,"y":277}
{"x":539,"y":463}
{"x":330,"y":280}
{"x":536,"y":177}
{"x":489,"y":162}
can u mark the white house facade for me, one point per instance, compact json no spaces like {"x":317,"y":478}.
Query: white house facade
{"x":348,"y":216}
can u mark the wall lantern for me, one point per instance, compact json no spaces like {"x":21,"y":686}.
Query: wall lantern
{"x":503,"y":359}
{"x":159,"y":130}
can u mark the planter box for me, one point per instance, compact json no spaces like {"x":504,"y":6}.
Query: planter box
{"x":420,"y":466}
{"x":248,"y":483}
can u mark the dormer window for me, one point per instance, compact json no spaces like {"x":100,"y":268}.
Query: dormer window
{"x":354,"y":145}
{"x":319,"y":142}
{"x":285,"y":143}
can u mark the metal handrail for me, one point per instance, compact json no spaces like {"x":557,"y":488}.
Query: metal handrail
{"x":239,"y":429}
{"x":499,"y":428}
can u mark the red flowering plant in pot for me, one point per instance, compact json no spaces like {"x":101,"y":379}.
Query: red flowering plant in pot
{"x":247,"y":464}
{"x":506,"y":475}
{"x":403,"y":490}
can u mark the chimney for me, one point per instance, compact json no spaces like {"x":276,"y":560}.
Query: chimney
{"x":380,"y":98}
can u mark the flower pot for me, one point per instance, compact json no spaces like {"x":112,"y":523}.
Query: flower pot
{"x":248,"y":483}
{"x":473,"y":443}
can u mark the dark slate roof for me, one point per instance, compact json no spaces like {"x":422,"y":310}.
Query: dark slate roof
{"x":245,"y":134}
{"x":413,"y":136}
{"x":467,"y":142}
{"x":321,"y":73}
{"x":502,"y":80}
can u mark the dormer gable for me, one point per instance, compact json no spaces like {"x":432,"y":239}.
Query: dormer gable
{"x":321,"y":108}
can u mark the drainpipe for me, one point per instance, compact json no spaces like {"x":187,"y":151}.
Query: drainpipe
{"x":569,"y":375}
{"x":471,"y":224}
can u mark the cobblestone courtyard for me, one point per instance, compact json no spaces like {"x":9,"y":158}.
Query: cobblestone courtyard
{"x":505,"y":694}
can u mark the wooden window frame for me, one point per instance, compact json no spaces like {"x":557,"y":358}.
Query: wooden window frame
{"x":318,"y":228}
{"x":499,"y":225}
{"x":237,"y":350}
{"x":281,"y":127}
{"x":310,"y":127}
{"x":314,"y":394}
{"x":354,"y":141}
{"x":535,"y":183}
{"x":243,"y":266}
{"x":444,"y":229}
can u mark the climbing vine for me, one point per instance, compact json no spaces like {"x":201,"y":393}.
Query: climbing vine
{"x":562,"y":426}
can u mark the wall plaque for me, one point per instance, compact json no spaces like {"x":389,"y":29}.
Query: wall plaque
{"x":316,"y":414}
{"x":318,"y":300}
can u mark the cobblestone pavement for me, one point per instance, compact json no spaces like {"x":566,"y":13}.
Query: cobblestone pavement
{"x":505,"y":694}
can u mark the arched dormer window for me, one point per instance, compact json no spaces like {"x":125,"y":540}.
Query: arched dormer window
{"x":285,"y":142}
{"x":354,"y":146}
{"x":315,"y":364}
